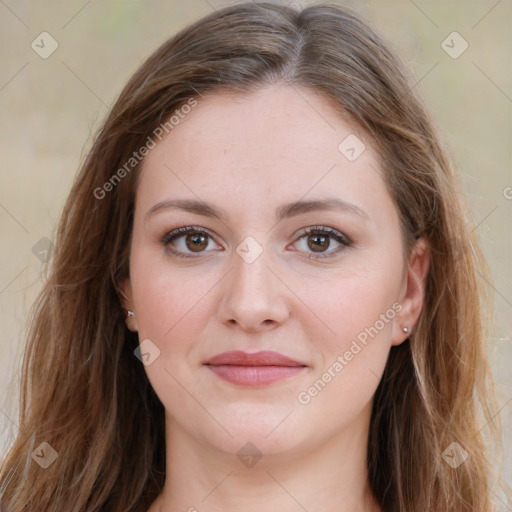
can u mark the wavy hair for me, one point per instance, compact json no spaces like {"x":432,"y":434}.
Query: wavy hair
{"x":85,"y":394}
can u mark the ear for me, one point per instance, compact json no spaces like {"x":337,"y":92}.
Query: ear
{"x":127,"y":303}
{"x":412,"y":293}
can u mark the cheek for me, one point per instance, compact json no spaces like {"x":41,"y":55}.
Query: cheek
{"x":171,"y":312}
{"x":353,"y":303}
{"x":357,"y":314}
{"x":174,"y":310}
{"x":170,"y":303}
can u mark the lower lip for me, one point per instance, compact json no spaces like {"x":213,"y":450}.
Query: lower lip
{"x":254,"y":376}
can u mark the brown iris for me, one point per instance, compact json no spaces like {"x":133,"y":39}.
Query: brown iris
{"x":323,"y":245}
{"x":196,"y":241}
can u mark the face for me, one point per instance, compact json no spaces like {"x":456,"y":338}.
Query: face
{"x":326,"y":287}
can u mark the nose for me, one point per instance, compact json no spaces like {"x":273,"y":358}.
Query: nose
{"x":253,"y":296}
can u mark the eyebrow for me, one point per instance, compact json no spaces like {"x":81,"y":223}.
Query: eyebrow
{"x":285,"y":211}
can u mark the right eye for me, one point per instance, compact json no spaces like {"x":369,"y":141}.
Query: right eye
{"x":189,"y":238}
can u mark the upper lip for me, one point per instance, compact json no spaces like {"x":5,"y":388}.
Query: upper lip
{"x":264,"y":358}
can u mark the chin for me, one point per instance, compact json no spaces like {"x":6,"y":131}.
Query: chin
{"x":270,"y":433}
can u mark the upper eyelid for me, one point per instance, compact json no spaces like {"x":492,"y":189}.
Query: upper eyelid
{"x":183,"y":230}
{"x":326,"y":230}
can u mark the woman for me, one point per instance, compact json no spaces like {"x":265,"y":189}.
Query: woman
{"x":264,"y":294}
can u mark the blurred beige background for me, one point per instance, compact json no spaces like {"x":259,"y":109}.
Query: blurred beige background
{"x":50,"y":108}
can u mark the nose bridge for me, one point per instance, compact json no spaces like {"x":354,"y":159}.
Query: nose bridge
{"x":251,"y":267}
{"x":252,"y":296}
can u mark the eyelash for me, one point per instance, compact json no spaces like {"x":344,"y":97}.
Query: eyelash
{"x":309,"y":231}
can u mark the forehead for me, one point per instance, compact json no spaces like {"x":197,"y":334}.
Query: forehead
{"x":275,"y":144}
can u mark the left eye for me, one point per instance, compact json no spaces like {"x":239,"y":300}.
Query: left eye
{"x":189,"y":240}
{"x":319,"y":239}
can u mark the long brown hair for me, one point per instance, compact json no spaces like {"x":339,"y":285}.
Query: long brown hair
{"x":86,"y":394}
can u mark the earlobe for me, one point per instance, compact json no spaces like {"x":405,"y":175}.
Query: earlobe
{"x":413,"y":293}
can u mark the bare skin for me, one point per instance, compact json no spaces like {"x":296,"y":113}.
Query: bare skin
{"x":249,"y":156}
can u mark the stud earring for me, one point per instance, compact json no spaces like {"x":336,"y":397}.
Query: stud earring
{"x":405,"y":329}
{"x":130,"y":313}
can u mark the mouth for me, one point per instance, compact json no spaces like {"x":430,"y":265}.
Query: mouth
{"x":254,"y":370}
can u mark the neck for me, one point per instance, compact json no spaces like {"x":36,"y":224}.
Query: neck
{"x":331,"y":476}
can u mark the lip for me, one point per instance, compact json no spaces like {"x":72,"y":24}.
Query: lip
{"x":253,"y":370}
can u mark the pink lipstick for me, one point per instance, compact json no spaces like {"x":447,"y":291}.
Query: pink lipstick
{"x":256,"y":369}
